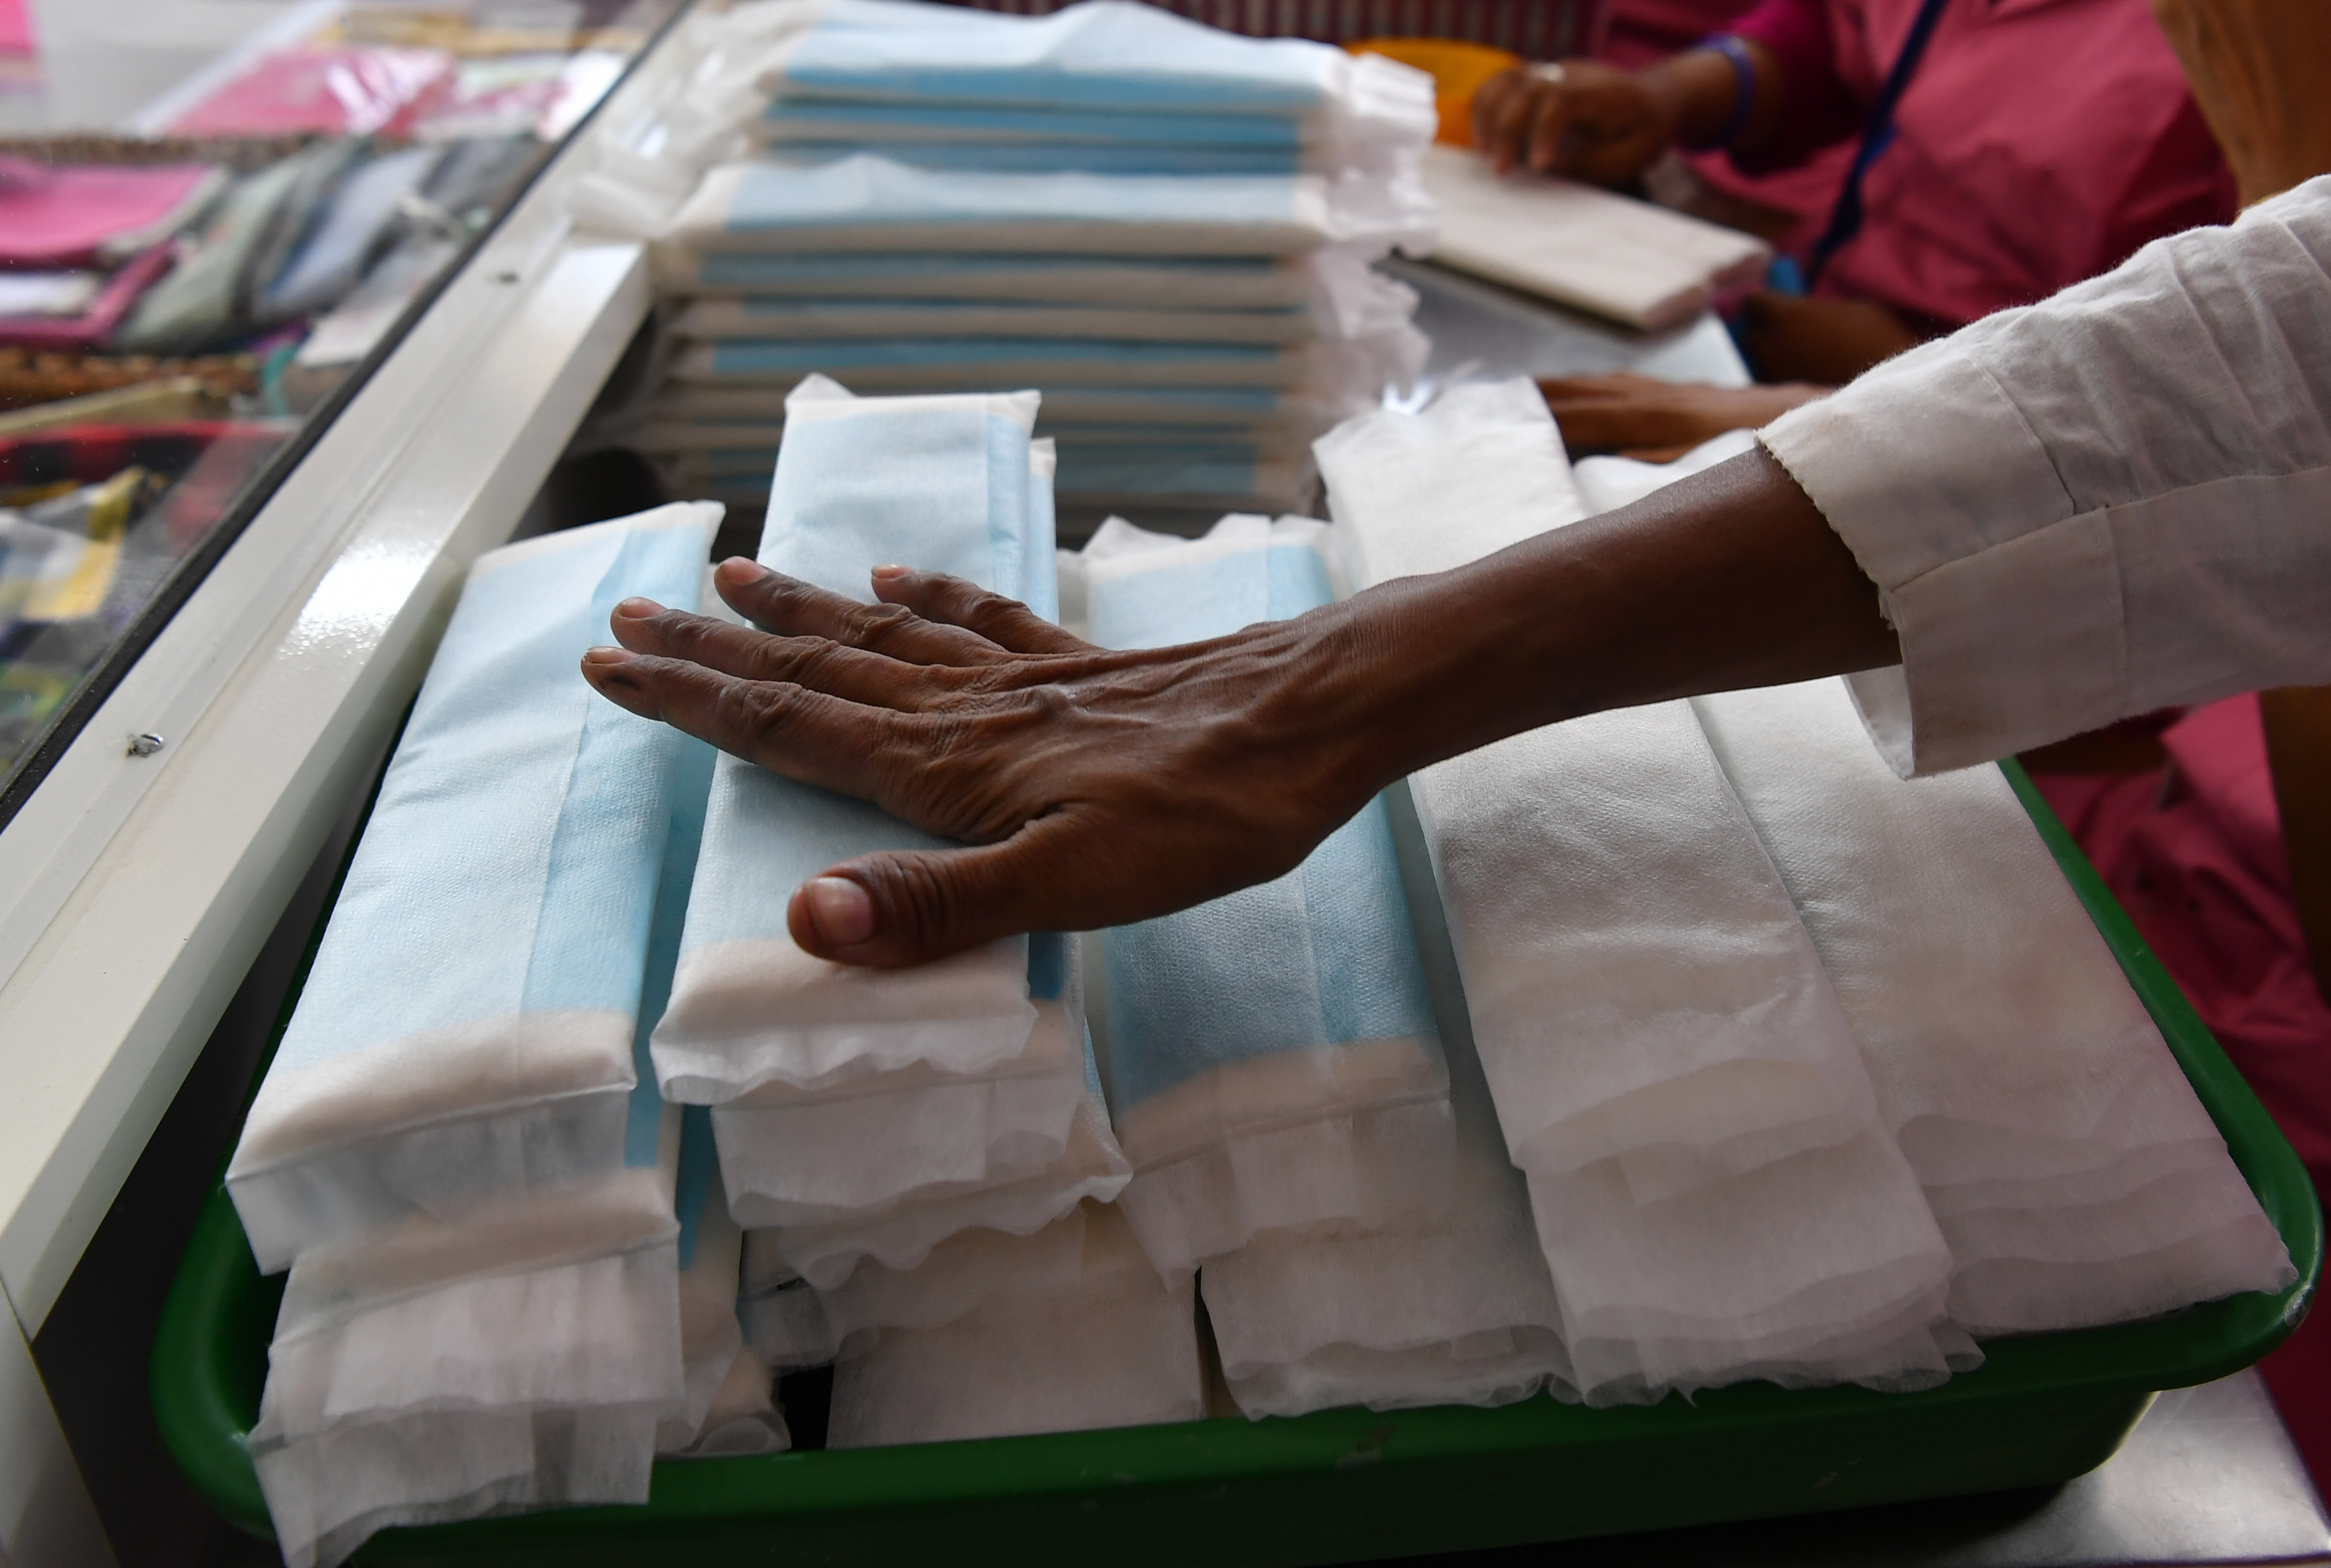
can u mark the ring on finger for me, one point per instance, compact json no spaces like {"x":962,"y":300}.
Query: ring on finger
{"x":1549,"y":72}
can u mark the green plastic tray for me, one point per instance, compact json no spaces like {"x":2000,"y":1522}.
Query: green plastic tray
{"x":1343,"y":1484}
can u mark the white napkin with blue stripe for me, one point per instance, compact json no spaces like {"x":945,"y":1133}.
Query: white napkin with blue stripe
{"x":465,"y":1036}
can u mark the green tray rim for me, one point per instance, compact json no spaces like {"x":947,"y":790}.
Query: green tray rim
{"x":205,"y":1406}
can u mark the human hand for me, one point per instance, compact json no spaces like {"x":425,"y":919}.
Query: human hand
{"x":1579,"y":119}
{"x":1656,"y":420}
{"x":2257,"y":67}
{"x":1098,"y":788}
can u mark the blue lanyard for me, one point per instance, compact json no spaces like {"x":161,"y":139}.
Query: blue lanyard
{"x":1876,"y":135}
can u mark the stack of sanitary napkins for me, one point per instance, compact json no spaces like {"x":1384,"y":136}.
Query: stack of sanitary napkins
{"x":864,"y":1113}
{"x":1715,"y":1193}
{"x":1272,"y":1061}
{"x":456,"y":1149}
{"x":1165,"y":227}
{"x":1067,"y":1329}
{"x":2074,"y":1175}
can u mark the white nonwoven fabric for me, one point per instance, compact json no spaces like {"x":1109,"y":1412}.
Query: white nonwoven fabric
{"x":754,"y":317}
{"x":944,"y":483}
{"x":1670,"y":1064}
{"x":466,"y":1035}
{"x":1016,"y":1201}
{"x":812,"y":1158}
{"x":1118,"y":1349}
{"x":727,"y":1407}
{"x":1640,"y":983}
{"x":2078,"y":1178}
{"x":1607,"y":483}
{"x":1273,"y":1062}
{"x":1203,"y":284}
{"x":1458,"y":1311}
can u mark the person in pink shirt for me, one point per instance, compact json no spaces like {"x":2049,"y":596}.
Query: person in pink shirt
{"x":2035,"y":143}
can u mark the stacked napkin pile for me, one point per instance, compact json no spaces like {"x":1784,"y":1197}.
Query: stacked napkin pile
{"x":865,"y":1114}
{"x":1165,"y":227}
{"x":456,"y":1150}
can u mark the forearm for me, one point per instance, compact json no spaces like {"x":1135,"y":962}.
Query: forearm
{"x":1729,"y":578}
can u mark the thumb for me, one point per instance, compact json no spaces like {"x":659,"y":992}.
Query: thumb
{"x":912,"y":906}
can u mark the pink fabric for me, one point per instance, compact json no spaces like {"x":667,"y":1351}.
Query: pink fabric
{"x":93,"y":326}
{"x":64,"y":217}
{"x":342,"y":92}
{"x":2041,"y":142}
{"x":15,"y":28}
{"x":2195,"y":853}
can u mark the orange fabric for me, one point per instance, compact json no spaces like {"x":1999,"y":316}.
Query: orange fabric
{"x":1457,"y":71}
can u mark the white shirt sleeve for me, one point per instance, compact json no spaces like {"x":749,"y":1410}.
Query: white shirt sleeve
{"x":2107,"y":503}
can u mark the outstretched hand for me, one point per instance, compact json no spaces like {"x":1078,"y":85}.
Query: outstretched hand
{"x":970,"y":716}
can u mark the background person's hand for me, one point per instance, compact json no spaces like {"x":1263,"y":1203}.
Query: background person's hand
{"x":1589,"y":121}
{"x":968,"y":716}
{"x":1636,"y":416}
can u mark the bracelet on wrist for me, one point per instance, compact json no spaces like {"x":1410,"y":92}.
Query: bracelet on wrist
{"x":1744,"y":95}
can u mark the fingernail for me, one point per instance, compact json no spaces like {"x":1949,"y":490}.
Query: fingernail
{"x":885,"y":573}
{"x":741,"y":569}
{"x":606,"y":658}
{"x":840,"y":910}
{"x":638,"y":609}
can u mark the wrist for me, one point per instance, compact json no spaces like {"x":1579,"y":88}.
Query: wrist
{"x":1694,"y":93}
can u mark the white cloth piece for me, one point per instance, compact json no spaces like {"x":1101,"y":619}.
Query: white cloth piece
{"x":1458,"y":1312}
{"x":1640,"y":986}
{"x":1607,"y":483}
{"x":753,"y":317}
{"x":783,"y":1313}
{"x":443,"y":1372}
{"x":1120,"y":1349}
{"x":716,"y":1369}
{"x":1273,"y":1061}
{"x":816,"y":1157}
{"x":900,"y":1234}
{"x":1196,"y":283}
{"x":1611,"y":255}
{"x":1823,"y":1267}
{"x":1669,"y":1061}
{"x":867,"y":203}
{"x":2021,"y":1076}
{"x":466,"y":1033}
{"x":2121,"y":488}
{"x":944,"y":483}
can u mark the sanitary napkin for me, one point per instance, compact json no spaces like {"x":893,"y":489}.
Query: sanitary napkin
{"x":865,"y":1113}
{"x":2074,"y":1175}
{"x":465,"y":1036}
{"x":944,"y":483}
{"x":1670,"y":1064}
{"x":1273,"y":1063}
{"x":1459,"y":1309}
{"x":1067,"y":1329}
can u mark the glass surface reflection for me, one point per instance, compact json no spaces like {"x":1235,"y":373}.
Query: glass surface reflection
{"x":185,"y":303}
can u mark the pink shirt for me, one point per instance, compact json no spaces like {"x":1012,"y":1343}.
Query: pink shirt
{"x":2041,"y":142}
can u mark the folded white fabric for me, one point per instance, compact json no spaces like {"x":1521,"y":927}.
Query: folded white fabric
{"x":1669,"y":1063}
{"x":945,"y":364}
{"x":867,"y":203}
{"x":1017,"y":1186}
{"x":1065,"y":1330}
{"x":1273,"y":1063}
{"x":1168,"y":407}
{"x":1459,"y":1310}
{"x":1640,"y":983}
{"x":465,"y":1036}
{"x":1147,"y":159}
{"x":1634,"y":262}
{"x":2076,"y":1176}
{"x":1607,"y":483}
{"x":942,"y":483}
{"x":727,"y":1384}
